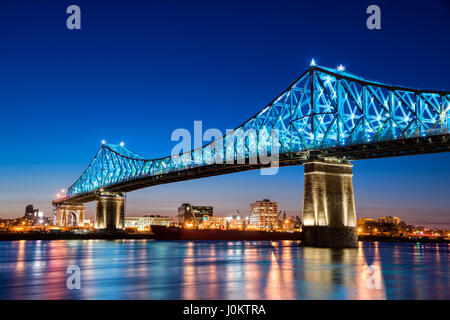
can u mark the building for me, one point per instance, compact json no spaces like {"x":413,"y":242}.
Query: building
{"x":7,"y":223}
{"x":386,"y":226}
{"x":147,"y":221}
{"x":264,"y":214}
{"x":34,"y":217}
{"x":289,"y":224}
{"x":189,"y":214}
{"x":389,"y":220}
{"x":210,"y":222}
{"x":30,"y":213}
{"x":367,"y":226}
{"x":362,"y":221}
{"x":236,"y":223}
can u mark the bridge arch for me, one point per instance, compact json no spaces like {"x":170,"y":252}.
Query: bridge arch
{"x":70,"y":215}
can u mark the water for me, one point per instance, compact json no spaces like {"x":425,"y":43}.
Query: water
{"x":145,"y":269}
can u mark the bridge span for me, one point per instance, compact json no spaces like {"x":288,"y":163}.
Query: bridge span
{"x":323,"y":120}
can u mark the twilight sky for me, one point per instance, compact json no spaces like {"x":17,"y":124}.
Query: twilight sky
{"x":137,"y":70}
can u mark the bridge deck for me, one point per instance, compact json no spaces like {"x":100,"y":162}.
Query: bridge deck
{"x":401,"y":147}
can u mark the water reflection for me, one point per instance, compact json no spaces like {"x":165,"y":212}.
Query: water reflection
{"x":141,"y":269}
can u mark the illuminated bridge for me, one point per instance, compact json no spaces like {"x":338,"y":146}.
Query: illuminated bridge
{"x":324,"y":119}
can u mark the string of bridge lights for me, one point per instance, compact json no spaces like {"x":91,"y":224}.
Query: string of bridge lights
{"x":338,"y":68}
{"x":122,"y":144}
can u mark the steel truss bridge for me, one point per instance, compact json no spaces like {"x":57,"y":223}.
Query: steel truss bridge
{"x":325,"y":113}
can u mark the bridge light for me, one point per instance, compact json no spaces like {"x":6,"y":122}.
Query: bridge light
{"x":313,"y":63}
{"x":122,"y":144}
{"x":103,"y":141}
{"x":341,"y":68}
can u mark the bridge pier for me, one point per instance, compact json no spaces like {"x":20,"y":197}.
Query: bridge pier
{"x":329,"y":218}
{"x":70,"y":215}
{"x":110,"y":213}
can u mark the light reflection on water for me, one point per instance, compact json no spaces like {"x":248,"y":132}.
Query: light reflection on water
{"x":145,"y":269}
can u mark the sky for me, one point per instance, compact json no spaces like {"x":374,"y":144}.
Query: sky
{"x":138,"y":70}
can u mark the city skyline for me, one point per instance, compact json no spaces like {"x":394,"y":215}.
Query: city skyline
{"x":150,"y":80}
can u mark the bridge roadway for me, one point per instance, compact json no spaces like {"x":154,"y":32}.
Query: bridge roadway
{"x":402,"y":147}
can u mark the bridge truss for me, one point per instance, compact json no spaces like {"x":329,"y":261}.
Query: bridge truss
{"x":324,"y":113}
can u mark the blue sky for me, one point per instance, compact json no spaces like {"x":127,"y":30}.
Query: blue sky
{"x":137,"y":70}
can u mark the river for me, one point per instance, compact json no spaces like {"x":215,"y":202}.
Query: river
{"x":148,"y":269}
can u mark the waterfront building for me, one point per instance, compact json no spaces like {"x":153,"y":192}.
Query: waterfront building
{"x":210,"y":222}
{"x":7,"y":223}
{"x":193,"y":215}
{"x":236,"y":223}
{"x":384,"y":226}
{"x":366,"y":226}
{"x":148,"y":221}
{"x":389,"y":220}
{"x":264,"y":214}
{"x":288,"y":224}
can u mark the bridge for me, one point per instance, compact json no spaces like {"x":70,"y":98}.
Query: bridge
{"x":323,"y":120}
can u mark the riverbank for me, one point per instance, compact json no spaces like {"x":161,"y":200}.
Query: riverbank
{"x":174,"y":233}
{"x":11,"y":236}
{"x":163,"y":234}
{"x":399,"y":239}
{"x":219,"y":235}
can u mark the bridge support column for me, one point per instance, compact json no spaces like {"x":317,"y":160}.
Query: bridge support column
{"x":329,"y":218}
{"x":110,"y":212}
{"x":70,"y":215}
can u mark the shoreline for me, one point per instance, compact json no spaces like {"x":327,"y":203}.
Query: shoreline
{"x":268,"y":236}
{"x":399,"y":239}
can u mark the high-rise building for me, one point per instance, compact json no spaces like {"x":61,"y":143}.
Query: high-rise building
{"x":264,"y":214}
{"x":188,"y":213}
{"x":29,"y":212}
{"x":34,"y":217}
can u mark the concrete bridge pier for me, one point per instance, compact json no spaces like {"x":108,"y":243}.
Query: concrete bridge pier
{"x":110,"y":214}
{"x":329,"y":218}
